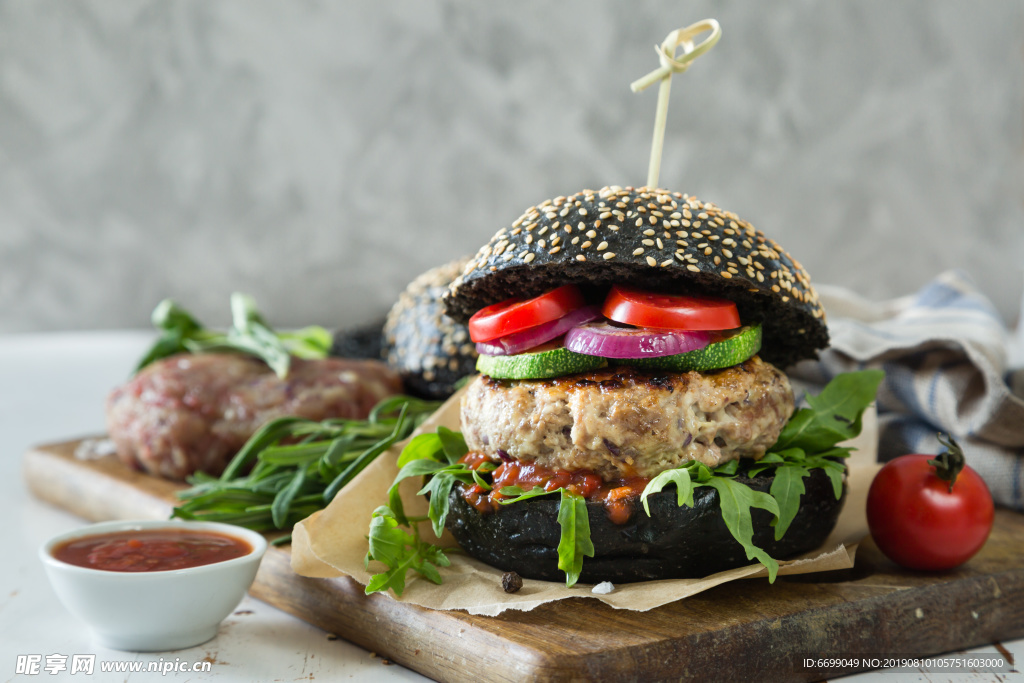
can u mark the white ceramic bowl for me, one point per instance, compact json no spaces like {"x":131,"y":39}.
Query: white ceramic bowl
{"x":154,"y":611}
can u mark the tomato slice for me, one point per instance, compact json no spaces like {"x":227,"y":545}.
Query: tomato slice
{"x":516,"y":315}
{"x":669,"y":311}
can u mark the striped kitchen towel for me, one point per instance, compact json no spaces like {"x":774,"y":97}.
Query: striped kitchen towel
{"x":947,"y":357}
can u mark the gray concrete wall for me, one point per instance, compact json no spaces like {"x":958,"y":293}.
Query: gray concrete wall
{"x":319,"y":155}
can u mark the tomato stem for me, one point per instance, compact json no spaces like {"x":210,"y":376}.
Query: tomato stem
{"x":949,"y":463}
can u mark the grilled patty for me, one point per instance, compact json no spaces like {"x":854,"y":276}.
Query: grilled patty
{"x":622,"y":422}
{"x":193,"y":412}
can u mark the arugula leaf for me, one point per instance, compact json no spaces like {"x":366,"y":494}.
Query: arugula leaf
{"x":684,"y":487}
{"x":736,"y":499}
{"x":439,"y":487}
{"x":787,"y":487}
{"x":181,"y":332}
{"x":834,"y":414}
{"x":400,"y":551}
{"x":519,"y":494}
{"x":453,"y":444}
{"x":575,"y":541}
{"x":421,"y":447}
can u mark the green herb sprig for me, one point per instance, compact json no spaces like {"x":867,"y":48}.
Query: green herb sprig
{"x":181,"y":332}
{"x":293,"y":467}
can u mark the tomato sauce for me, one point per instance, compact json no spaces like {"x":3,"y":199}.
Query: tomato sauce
{"x":618,"y":496}
{"x":150,"y":550}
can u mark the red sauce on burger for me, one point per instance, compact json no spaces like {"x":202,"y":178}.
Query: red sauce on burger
{"x":618,"y":495}
{"x":150,"y":550}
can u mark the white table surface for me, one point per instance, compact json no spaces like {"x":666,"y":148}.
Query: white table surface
{"x":52,"y":387}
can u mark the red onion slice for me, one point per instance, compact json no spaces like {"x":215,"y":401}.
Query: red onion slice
{"x":535,"y":336}
{"x":611,"y":341}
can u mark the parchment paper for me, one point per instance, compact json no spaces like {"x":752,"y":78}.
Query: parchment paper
{"x":333,"y":542}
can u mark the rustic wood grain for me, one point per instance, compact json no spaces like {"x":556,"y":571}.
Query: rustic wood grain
{"x":723,"y":634}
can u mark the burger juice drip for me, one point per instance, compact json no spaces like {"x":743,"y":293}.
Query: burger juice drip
{"x":618,"y":495}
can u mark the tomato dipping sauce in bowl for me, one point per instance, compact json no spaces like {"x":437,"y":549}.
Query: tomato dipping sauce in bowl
{"x":149,"y":586}
{"x":151,"y":550}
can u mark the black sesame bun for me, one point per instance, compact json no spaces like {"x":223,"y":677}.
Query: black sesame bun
{"x":359,"y":342}
{"x":652,"y":239}
{"x":675,"y":542}
{"x":430,"y":350}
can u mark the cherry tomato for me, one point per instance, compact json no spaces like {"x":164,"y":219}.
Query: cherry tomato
{"x":516,"y":315}
{"x":922,"y":521}
{"x":669,"y":311}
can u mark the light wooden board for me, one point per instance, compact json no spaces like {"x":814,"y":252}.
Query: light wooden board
{"x":726,"y":633}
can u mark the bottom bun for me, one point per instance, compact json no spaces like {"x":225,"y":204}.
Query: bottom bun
{"x":673,"y":543}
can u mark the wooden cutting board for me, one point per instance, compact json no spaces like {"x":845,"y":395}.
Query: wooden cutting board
{"x":726,"y":633}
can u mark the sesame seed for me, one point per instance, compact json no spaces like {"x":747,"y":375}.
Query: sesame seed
{"x":666,"y":262}
{"x":581,"y":257}
{"x":517,"y":231}
{"x":556,"y":240}
{"x":581,"y":226}
{"x":613,"y":228}
{"x":564,"y":212}
{"x":583,"y":212}
{"x":649,"y":232}
{"x":602,"y":246}
{"x":707,"y":252}
{"x":542,"y":230}
{"x":542,"y":244}
{"x":576,"y":239}
{"x":638,"y":251}
{"x":529,"y":239}
{"x":660,"y":245}
{"x":585,"y":244}
{"x":654,"y":221}
{"x":591,"y":234}
{"x":651,"y":261}
{"x":609,"y":254}
{"x":530,"y":257}
{"x":702,"y":245}
{"x":676,"y":215}
{"x":639,"y":222}
{"x":647,"y":243}
{"x":726,"y":274}
{"x":693,"y":268}
{"x":550,"y":215}
{"x":727,"y":253}
{"x":555,"y":250}
{"x":605,"y":215}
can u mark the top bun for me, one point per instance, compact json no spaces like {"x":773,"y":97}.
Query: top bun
{"x":651,"y":239}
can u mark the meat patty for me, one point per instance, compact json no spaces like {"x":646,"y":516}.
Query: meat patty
{"x":622,"y":422}
{"x":192,"y":413}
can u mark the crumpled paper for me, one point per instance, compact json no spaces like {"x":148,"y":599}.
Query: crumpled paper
{"x":332,"y":543}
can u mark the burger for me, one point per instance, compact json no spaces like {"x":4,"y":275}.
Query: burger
{"x":626,"y":421}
